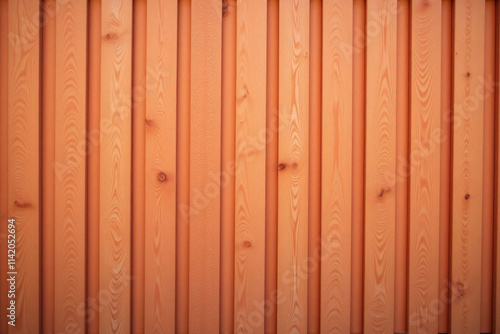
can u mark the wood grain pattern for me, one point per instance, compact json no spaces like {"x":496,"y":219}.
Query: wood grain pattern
{"x":161,"y":109}
{"x":380,"y":166}
{"x":4,"y":141}
{"x":70,"y":204}
{"x":336,"y":170}
{"x":293,"y":165}
{"x":423,"y":266}
{"x":444,"y":201}
{"x":496,"y":248}
{"x":205,"y":177}
{"x":23,"y":154}
{"x":115,"y":160}
{"x":467,"y":163}
{"x":250,"y":166}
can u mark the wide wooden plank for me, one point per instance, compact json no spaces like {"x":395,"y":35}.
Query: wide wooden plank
{"x":160,"y":166}
{"x":115,"y":163}
{"x":423,"y":266}
{"x":336,"y":167}
{"x":24,"y":158}
{"x":380,"y":166}
{"x":69,"y":186}
{"x":467,"y":173}
{"x":205,"y":177}
{"x":250,"y":166}
{"x":293,"y":169}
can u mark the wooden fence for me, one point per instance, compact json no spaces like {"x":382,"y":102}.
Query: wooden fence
{"x":250,"y":166}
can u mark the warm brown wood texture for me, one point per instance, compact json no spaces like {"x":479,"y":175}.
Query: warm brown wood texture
{"x":251,"y":166}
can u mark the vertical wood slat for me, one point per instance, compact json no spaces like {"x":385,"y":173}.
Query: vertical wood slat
{"x":115,"y":164}
{"x":496,"y":248}
{"x":488,"y":169}
{"x":24,"y":158}
{"x":336,"y":170}
{"x":423,"y":270}
{"x":69,"y":187}
{"x":380,"y":166}
{"x":205,"y":153}
{"x":358,"y":171}
{"x":444,"y":201}
{"x":467,"y":163}
{"x":250,"y":166}
{"x":293,"y":151}
{"x":161,"y":178}
{"x":4,"y":141}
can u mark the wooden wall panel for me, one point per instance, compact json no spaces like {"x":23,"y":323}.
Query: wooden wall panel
{"x":24,"y":158}
{"x":336,"y":169}
{"x":424,"y":211}
{"x":467,"y":167}
{"x":251,"y":166}
{"x":380,"y":166}
{"x":115,"y":164}
{"x":293,"y":164}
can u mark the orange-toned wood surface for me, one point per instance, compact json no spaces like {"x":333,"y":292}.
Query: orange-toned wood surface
{"x":250,"y":166}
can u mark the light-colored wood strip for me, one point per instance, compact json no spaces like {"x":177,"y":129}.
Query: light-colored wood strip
{"x":423,"y":266}
{"x":467,"y":193}
{"x":314,"y":221}
{"x":496,"y":249}
{"x":70,"y":203}
{"x":24,"y":157}
{"x":402,"y":182}
{"x":380,"y":166}
{"x":228,"y":149}
{"x":115,"y":164}
{"x":93,"y":164}
{"x":161,"y":110}
{"x":293,"y":167}
{"x":139,"y":191}
{"x":49,"y":168}
{"x":358,"y":167}
{"x":336,"y":169}
{"x":4,"y":141}
{"x":445,"y":170}
{"x":488,"y":169}
{"x":272,"y":102}
{"x":182,"y":168}
{"x":205,"y":176}
{"x":250,"y":166}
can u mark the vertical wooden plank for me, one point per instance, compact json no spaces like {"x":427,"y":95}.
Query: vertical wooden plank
{"x":24,"y":158}
{"x":161,"y":110}
{"x":250,"y":165}
{"x":358,"y":167}
{"x":272,"y":103}
{"x":115,"y":175}
{"x":467,"y":181}
{"x":4,"y":171}
{"x":23,"y":153}
{"x":139,"y":259}
{"x":496,"y":258}
{"x":93,"y":165}
{"x":293,"y":164}
{"x":444,"y":201}
{"x":70,"y":203}
{"x":423,"y":266}
{"x":336,"y":169}
{"x":182,"y":168}
{"x":314,"y":174}
{"x":49,"y":168}
{"x":380,"y":166}
{"x":228,"y":142}
{"x":488,"y":169}
{"x":205,"y":177}
{"x":402,"y":182}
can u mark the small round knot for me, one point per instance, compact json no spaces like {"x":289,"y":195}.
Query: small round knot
{"x":162,"y":177}
{"x":467,"y":196}
{"x":281,"y":166}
